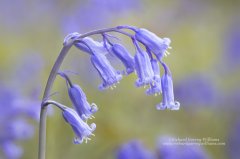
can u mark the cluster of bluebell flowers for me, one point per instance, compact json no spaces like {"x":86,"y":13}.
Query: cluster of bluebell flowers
{"x":150,"y":51}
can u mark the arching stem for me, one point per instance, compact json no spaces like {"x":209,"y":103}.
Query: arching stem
{"x":51,"y":79}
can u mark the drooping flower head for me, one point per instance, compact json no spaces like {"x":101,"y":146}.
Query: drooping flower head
{"x":81,"y":129}
{"x":126,"y":58}
{"x":79,"y":99}
{"x":145,"y":63}
{"x":133,"y":150}
{"x":143,"y":67}
{"x":167,"y":92}
{"x":157,"y":45}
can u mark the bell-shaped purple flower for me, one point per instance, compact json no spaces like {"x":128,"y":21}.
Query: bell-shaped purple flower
{"x":125,"y":57}
{"x":108,"y":74}
{"x":156,"y":86}
{"x":134,"y":150}
{"x":81,"y":129}
{"x":156,"y":44}
{"x":89,"y":45}
{"x":143,"y":68}
{"x":167,"y":92}
{"x":79,"y":99}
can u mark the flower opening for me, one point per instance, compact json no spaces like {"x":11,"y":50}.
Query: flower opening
{"x":81,"y":129}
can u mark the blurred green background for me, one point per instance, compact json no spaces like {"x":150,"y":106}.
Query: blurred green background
{"x":200,"y":32}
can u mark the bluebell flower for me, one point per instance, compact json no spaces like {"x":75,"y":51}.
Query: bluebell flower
{"x":156,"y":86}
{"x":157,"y":45}
{"x":79,"y":100}
{"x":108,"y":74}
{"x":168,"y":150}
{"x":89,"y":45}
{"x":133,"y":150}
{"x":81,"y":129}
{"x":11,"y":150}
{"x":143,"y":67}
{"x":167,"y":92}
{"x":126,"y":58}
